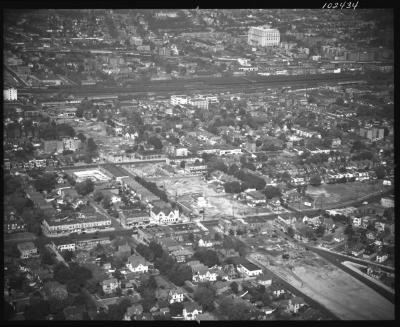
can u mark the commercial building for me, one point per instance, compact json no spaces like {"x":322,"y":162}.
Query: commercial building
{"x":10,"y":94}
{"x":67,"y":225}
{"x":249,"y":269}
{"x":263,"y":36}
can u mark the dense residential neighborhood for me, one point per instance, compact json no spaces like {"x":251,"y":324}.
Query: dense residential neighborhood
{"x":198,"y":164}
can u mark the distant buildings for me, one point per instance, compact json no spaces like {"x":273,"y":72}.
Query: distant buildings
{"x":10,"y":94}
{"x":263,"y":36}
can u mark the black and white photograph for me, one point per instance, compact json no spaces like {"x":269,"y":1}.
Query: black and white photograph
{"x":198,"y":164}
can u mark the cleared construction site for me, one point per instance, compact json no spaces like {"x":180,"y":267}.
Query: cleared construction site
{"x":336,"y":290}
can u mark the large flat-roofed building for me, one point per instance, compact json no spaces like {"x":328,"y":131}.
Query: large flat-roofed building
{"x":94,"y":174}
{"x":263,"y":36}
{"x":115,"y":171}
{"x":10,"y":94}
{"x":134,"y":218}
{"x":68,"y":225}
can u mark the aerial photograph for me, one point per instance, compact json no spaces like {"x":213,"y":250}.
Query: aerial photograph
{"x":198,"y":164}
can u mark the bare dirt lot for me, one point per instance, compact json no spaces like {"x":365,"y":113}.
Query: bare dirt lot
{"x":343,"y":294}
{"x":199,"y":195}
{"x":339,"y":292}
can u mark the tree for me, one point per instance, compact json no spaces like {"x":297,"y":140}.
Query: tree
{"x":73,"y":286}
{"x":315,"y":180}
{"x":38,"y":310}
{"x":148,"y":299}
{"x":84,"y":187}
{"x":349,"y":231}
{"x":98,"y":195}
{"x":68,"y":255}
{"x":145,"y":252}
{"x":106,"y":202}
{"x":46,"y":183}
{"x":233,"y":169}
{"x":272,"y":191}
{"x":234,"y":287}
{"x":234,"y":310}
{"x":232,"y":187}
{"x":156,"y":249}
{"x":205,"y":296}
{"x":82,"y":137}
{"x":320,"y":230}
{"x":176,"y":309}
{"x":91,"y":146}
{"x":62,"y":274}
{"x":290,"y":231}
{"x":156,"y":142}
{"x":206,"y":256}
{"x":180,"y":273}
{"x":380,"y":172}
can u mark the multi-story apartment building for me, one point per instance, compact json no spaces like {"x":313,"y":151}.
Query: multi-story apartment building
{"x":263,"y":36}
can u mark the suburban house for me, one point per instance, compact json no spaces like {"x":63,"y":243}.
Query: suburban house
{"x":381,"y":257}
{"x":204,"y":275}
{"x":357,"y":221}
{"x":277,"y":290}
{"x":204,"y":242}
{"x":255,"y":198}
{"x":358,"y":250}
{"x":175,"y":295}
{"x":134,"y":310}
{"x":295,"y":304}
{"x":182,"y":254}
{"x":248,"y":268}
{"x":27,"y":250}
{"x":191,"y":310}
{"x":374,"y":272}
{"x":137,"y":264}
{"x":264,"y":280}
{"x":110,"y":285}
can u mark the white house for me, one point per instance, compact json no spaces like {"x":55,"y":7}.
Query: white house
{"x":381,"y":257}
{"x":249,"y":269}
{"x":175,"y":296}
{"x":191,"y":310}
{"x":204,"y":275}
{"x":137,"y":264}
{"x":204,"y":243}
{"x":164,"y":215}
{"x":357,"y":221}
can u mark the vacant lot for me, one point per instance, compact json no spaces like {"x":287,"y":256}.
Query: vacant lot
{"x":199,"y":195}
{"x":343,"y":294}
{"x":336,"y":193}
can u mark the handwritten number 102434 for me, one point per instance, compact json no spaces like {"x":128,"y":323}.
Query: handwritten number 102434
{"x":340,"y":5}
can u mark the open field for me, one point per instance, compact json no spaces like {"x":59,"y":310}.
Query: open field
{"x":336,"y":193}
{"x":344,"y":295}
{"x":197,"y":195}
